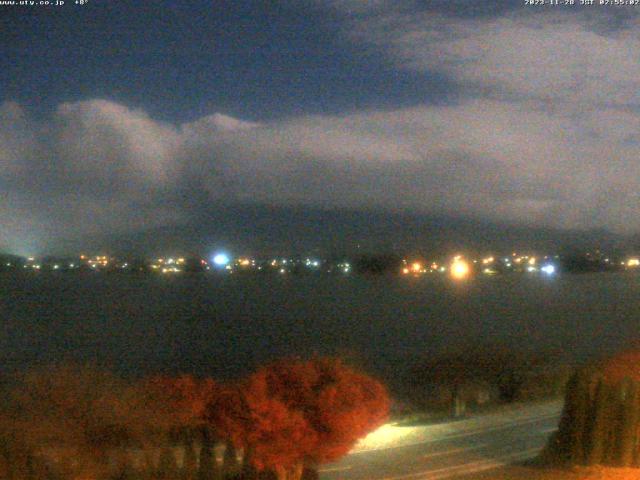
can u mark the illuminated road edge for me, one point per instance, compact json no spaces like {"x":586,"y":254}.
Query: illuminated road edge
{"x":449,"y":450}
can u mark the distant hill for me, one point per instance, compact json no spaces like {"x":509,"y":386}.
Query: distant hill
{"x":276,"y":230}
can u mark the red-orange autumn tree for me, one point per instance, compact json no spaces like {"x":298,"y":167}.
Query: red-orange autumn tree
{"x":600,"y":424}
{"x":185,"y":398}
{"x":625,"y":365}
{"x":182,"y":403}
{"x":295,"y":414}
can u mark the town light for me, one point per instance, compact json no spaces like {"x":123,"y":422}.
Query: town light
{"x":221,"y":259}
{"x":459,"y":268}
{"x":548,"y":269}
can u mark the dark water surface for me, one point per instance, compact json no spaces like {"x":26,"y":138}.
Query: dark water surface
{"x":226,"y":325}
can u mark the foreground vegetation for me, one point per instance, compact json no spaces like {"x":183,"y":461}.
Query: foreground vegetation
{"x":77,"y":422}
{"x":477,"y":379}
{"x":600,"y":424}
{"x":83,"y":423}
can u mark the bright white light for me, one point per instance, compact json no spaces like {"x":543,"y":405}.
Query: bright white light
{"x":221,"y":259}
{"x":549,"y":269}
{"x":387,"y":436}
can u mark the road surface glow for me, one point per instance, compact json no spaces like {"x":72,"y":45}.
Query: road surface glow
{"x":335,"y":469}
{"x":390,"y":436}
{"x":453,"y":450}
{"x":386,"y":436}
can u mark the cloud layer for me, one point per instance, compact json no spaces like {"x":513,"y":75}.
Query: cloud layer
{"x":574,"y":56}
{"x":544,"y":131}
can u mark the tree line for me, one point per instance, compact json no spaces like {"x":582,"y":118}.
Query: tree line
{"x":280,"y":422}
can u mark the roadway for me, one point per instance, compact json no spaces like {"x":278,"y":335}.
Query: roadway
{"x":449,"y":450}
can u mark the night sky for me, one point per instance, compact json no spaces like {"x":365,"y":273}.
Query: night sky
{"x":119,"y":118}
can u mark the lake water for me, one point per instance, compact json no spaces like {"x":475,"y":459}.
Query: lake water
{"x":224,"y":326}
